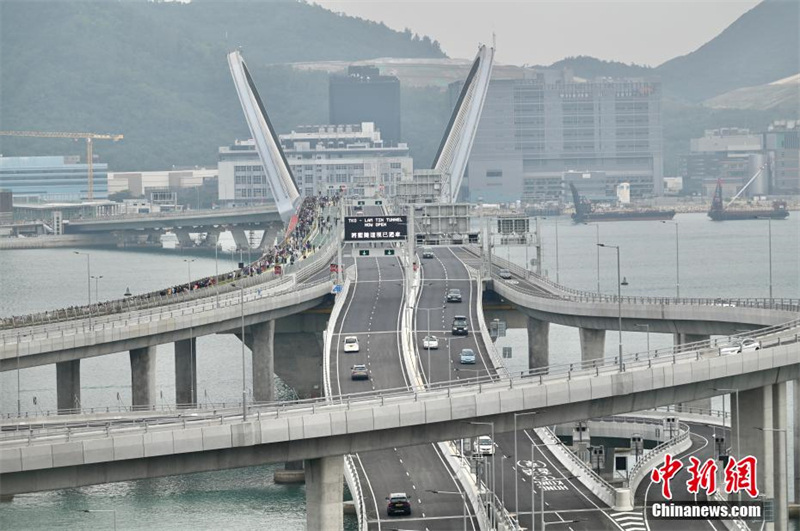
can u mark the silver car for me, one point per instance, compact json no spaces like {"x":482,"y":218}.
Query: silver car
{"x":504,"y":273}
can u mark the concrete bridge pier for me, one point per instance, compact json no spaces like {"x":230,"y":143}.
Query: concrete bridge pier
{"x":758,"y":409}
{"x":261,"y":343}
{"x":593,"y":343}
{"x":538,"y":343}
{"x":271,"y":232}
{"x":240,"y":238}
{"x":68,"y":386}
{"x":324,"y":493}
{"x":299,"y":347}
{"x":796,"y":393}
{"x":186,"y":372}
{"x":184,"y":239}
{"x":143,"y":377}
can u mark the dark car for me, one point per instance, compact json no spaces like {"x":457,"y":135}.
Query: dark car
{"x":398,"y":503}
{"x":460,"y":326}
{"x":427,"y":252}
{"x":454,"y":295}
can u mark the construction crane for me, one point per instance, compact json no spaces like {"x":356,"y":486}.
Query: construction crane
{"x":89,"y":137}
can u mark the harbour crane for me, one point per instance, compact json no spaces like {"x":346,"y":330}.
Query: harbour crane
{"x":89,"y":137}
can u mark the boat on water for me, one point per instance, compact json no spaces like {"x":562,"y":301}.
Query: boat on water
{"x":585,"y":212}
{"x":720,"y":212}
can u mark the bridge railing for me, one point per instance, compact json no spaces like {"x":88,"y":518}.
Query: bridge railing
{"x":559,"y":291}
{"x":223,"y":284}
{"x":479,"y":384}
{"x":650,"y":459}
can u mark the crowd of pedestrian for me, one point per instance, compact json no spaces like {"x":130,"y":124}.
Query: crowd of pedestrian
{"x":295,"y":246}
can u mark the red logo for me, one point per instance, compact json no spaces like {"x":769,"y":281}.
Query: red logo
{"x":702,"y":476}
{"x":665,"y":473}
{"x":739,"y":475}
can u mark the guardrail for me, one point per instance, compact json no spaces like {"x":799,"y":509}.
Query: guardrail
{"x":354,"y":484}
{"x":642,"y":468}
{"x":556,"y":372}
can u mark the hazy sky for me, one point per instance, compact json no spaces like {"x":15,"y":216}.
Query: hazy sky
{"x":543,"y":31}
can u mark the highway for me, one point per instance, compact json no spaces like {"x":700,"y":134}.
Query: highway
{"x":373,"y":312}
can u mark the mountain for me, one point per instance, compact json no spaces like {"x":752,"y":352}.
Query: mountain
{"x":157,"y":72}
{"x":759,"y":47}
{"x":590,"y":68}
{"x":783,"y":94}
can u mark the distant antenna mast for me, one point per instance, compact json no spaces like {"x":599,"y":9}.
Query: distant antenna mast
{"x":753,"y":178}
{"x":494,"y":40}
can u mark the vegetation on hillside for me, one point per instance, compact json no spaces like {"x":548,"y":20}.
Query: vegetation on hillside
{"x":157,"y":73}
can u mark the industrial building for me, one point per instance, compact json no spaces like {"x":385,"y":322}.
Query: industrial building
{"x":363,"y":95}
{"x":51,"y":178}
{"x":323,"y":159}
{"x":782,"y":151}
{"x":548,"y":122}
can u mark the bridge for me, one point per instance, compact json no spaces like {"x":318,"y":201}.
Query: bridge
{"x":400,"y":429}
{"x":137,"y":228}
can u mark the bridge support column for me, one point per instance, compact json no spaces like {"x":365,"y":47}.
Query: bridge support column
{"x":271,"y":231}
{"x":796,"y":393}
{"x":143,"y":377}
{"x":324,"y":492}
{"x":184,"y":239}
{"x":68,"y":386}
{"x":780,"y":439}
{"x":593,"y":343}
{"x":538,"y":343}
{"x":263,"y":361}
{"x":755,"y":411}
{"x":240,"y":238}
{"x":186,"y":372}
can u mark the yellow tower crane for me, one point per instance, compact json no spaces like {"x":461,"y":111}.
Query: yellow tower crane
{"x":90,"y":137}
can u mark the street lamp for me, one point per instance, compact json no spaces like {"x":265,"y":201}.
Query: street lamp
{"x":646,"y":326}
{"x":516,"y":456}
{"x":97,"y":287}
{"x":769,"y":224}
{"x":113,"y":511}
{"x":463,"y":501}
{"x":189,"y":266}
{"x":428,"y":348}
{"x":677,"y":260}
{"x":738,"y":419}
{"x":88,"y":283}
{"x":244,"y":377}
{"x":450,"y":356}
{"x":619,"y":298}
{"x":781,"y":497}
{"x":597,"y":241}
{"x":494,"y":445}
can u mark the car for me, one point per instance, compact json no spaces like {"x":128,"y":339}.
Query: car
{"x":504,"y":273}
{"x":351,"y":344}
{"x":454,"y":295}
{"x":750,"y":345}
{"x":399,"y":503}
{"x":431,"y":342}
{"x":483,"y":445}
{"x":467,"y":356}
{"x":730,"y":348}
{"x":736,"y":346}
{"x":359,"y":372}
{"x":427,"y":252}
{"x":460,"y":326}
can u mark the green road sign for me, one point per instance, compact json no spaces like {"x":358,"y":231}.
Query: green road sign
{"x":363,"y":252}
{"x":388,"y":252}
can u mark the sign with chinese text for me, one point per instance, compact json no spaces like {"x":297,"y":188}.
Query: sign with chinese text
{"x":375,"y":228}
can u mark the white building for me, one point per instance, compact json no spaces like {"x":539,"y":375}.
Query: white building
{"x":140,"y":182}
{"x":323,"y":159}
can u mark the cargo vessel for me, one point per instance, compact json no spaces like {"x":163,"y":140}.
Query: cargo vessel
{"x":720,"y":212}
{"x":585,"y":212}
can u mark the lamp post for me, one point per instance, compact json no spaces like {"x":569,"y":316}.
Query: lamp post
{"x":450,"y":356}
{"x":619,"y":299}
{"x":677,"y":259}
{"x":769,"y":224}
{"x":516,"y":454}
{"x":597,"y":242}
{"x":88,"y":283}
{"x":189,"y":266}
{"x":113,"y":511}
{"x":476,"y":423}
{"x":244,"y":377}
{"x":738,"y":419}
{"x":97,"y":287}
{"x":647,"y":327}
{"x":463,"y":501}
{"x":428,"y":348}
{"x":781,"y":497}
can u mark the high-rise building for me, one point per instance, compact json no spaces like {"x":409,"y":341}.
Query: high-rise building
{"x":782,"y":147}
{"x":363,"y":95}
{"x":52,"y":178}
{"x":536,"y":128}
{"x":323,"y":159}
{"x":725,"y":154}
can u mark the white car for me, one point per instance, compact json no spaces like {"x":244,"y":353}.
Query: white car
{"x":483,"y":445}
{"x":431,"y":342}
{"x":740,"y":345}
{"x":351,"y":344}
{"x":504,"y":273}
